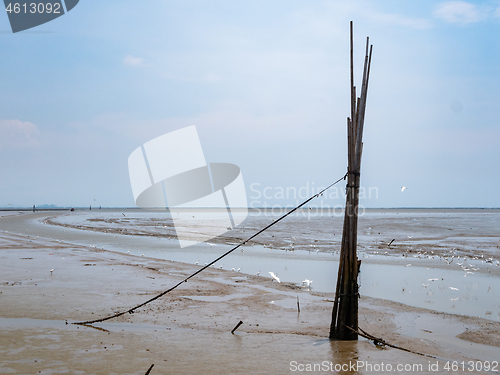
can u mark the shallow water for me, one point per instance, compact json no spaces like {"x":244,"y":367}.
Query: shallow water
{"x":428,"y":283}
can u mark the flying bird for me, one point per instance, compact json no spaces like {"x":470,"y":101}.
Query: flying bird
{"x":403,"y":188}
{"x":274,"y":276}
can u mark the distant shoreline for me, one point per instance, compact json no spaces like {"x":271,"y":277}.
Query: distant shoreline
{"x":250,"y":209}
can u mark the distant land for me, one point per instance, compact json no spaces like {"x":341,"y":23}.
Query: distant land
{"x":13,"y":207}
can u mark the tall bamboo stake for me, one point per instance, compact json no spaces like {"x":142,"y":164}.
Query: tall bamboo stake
{"x":345,"y":307}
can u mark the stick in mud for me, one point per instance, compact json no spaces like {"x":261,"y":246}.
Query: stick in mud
{"x":149,"y":370}
{"x":237,"y":325}
{"x":298,"y":305}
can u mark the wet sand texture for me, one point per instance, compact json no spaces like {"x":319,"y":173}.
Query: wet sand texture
{"x":188,"y":330}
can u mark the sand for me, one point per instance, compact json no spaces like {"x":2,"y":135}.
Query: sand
{"x":188,"y":330}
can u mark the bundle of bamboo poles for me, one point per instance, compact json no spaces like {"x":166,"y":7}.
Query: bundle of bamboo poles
{"x":345,"y":309}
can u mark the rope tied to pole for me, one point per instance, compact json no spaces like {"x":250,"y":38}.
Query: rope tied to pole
{"x":132,"y":310}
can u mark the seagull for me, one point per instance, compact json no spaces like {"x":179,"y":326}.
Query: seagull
{"x":196,"y":262}
{"x":403,"y":188}
{"x":239,"y":269}
{"x":274,"y":276}
{"x":258,"y":273}
{"x":221,"y":266}
{"x":307,"y":282}
{"x":52,"y":270}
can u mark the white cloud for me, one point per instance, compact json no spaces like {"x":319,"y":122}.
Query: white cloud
{"x":133,"y":61}
{"x":458,"y":12}
{"x":18,"y":133}
{"x":399,"y":20}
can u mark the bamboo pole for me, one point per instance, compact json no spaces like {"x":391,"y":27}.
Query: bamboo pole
{"x":345,"y":309}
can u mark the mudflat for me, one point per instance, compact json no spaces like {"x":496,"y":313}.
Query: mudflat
{"x":189,"y":329}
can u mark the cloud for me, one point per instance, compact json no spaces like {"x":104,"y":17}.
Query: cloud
{"x":458,"y":12}
{"x":18,"y":133}
{"x":133,"y":61}
{"x":399,"y":20}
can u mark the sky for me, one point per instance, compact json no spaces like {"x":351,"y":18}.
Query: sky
{"x":266,"y":83}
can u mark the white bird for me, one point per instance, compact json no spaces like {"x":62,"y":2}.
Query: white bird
{"x":196,"y":262}
{"x":233,"y":269}
{"x":403,"y":188}
{"x":211,"y":244}
{"x":221,"y":266}
{"x":239,"y":269}
{"x":274,"y":276}
{"x":258,"y":273}
{"x":307,"y":282}
{"x":52,"y":270}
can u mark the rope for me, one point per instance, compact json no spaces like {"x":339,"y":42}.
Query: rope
{"x":131,"y":311}
{"x":377,"y":341}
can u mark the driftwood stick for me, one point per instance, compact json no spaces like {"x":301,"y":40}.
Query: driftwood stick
{"x":298,"y":305}
{"x":147,"y":372}
{"x":237,"y":325}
